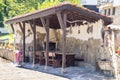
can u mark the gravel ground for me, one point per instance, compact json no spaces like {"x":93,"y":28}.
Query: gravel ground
{"x":9,"y":72}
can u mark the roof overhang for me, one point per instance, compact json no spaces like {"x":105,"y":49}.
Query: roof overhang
{"x":73,"y":13}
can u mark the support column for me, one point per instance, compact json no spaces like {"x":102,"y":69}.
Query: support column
{"x":62,"y":22}
{"x":33,"y":27}
{"x":14,"y":55}
{"x":22,"y":26}
{"x":45,"y":22}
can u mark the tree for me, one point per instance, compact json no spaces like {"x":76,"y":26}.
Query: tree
{"x":1,"y":13}
{"x":48,"y":3}
{"x":1,"y":20}
{"x":77,"y":2}
{"x":11,"y":8}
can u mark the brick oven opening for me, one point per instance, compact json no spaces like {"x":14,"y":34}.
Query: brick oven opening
{"x":52,"y":46}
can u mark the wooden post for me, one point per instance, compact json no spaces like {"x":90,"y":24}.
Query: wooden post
{"x":33,"y":27}
{"x":45,"y":23}
{"x":23,"y":46}
{"x":14,"y":55}
{"x":62,"y":22}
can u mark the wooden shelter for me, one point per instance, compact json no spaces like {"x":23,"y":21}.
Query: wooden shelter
{"x":57,"y":17}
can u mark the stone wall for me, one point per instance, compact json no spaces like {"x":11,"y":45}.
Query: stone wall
{"x":117,"y":39}
{"x":85,"y":45}
{"x":87,"y":50}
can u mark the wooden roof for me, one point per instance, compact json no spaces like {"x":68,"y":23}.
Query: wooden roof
{"x":73,"y":13}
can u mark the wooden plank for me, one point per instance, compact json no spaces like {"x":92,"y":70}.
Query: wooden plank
{"x":62,"y":23}
{"x":45,"y":23}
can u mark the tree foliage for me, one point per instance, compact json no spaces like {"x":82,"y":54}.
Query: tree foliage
{"x":11,"y":8}
{"x":1,"y":20}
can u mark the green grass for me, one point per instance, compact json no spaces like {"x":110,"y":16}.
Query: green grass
{"x":5,"y":37}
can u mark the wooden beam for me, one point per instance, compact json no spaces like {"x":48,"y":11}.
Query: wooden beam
{"x":12,"y":28}
{"x":65,"y":20}
{"x":33,"y":27}
{"x":22,"y":26}
{"x":62,"y":22}
{"x":45,"y":22}
{"x":32,"y":16}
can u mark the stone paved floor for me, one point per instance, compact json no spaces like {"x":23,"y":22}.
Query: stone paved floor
{"x":10,"y":72}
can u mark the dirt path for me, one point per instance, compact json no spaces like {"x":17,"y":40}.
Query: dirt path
{"x":10,"y":72}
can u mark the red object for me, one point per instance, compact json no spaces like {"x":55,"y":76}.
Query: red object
{"x":118,"y":52}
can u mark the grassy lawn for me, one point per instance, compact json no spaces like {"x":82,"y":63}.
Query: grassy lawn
{"x":7,"y":37}
{"x":7,"y":40}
